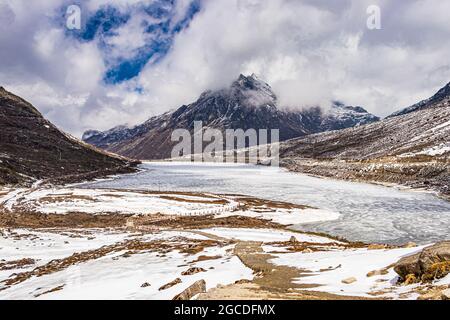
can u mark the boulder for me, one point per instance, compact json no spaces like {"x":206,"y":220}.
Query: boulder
{"x":445,"y":295}
{"x":407,"y":266}
{"x":349,"y":280}
{"x":197,"y":288}
{"x":374,"y":273}
{"x":435,"y":261}
{"x":192,"y":271}
{"x":170,"y":284}
{"x":432,"y":263}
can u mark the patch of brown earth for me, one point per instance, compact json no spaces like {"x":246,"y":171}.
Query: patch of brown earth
{"x":59,"y":288}
{"x":218,"y":201}
{"x":16,"y":264}
{"x":205,"y":258}
{"x":71,"y":220}
{"x":433,"y":292}
{"x":271,"y":282}
{"x":309,"y":247}
{"x":204,"y":222}
{"x":171,"y":193}
{"x":65,"y":197}
{"x":193,"y":270}
{"x":170,"y":284}
{"x":249,"y":203}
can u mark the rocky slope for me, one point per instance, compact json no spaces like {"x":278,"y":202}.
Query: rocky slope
{"x":31,"y":148}
{"x":410,"y":148}
{"x":247,"y":103}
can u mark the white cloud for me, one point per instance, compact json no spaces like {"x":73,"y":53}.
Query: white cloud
{"x":122,"y":5}
{"x":128,"y":38}
{"x":310,"y":51}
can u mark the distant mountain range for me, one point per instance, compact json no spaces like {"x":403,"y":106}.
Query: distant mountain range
{"x":247,"y":103}
{"x":32,"y":148}
{"x":410,"y":147}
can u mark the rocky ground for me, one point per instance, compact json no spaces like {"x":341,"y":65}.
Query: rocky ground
{"x":69,"y":243}
{"x":410,"y":149}
{"x":419,"y":173}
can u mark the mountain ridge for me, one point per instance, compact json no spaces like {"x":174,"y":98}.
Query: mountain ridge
{"x":248,"y":103}
{"x":441,"y":95}
{"x":412,"y":149}
{"x":32,"y":149}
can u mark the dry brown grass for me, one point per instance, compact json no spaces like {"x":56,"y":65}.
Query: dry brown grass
{"x":218,"y":201}
{"x":16,"y":264}
{"x":130,"y":247}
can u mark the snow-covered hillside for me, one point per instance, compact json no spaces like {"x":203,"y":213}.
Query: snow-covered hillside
{"x":410,"y":148}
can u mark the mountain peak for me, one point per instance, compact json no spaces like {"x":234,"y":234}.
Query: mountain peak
{"x":443,"y":92}
{"x":3,"y":91}
{"x":250,"y":82}
{"x":248,"y":103}
{"x":247,"y":91}
{"x":253,"y":90}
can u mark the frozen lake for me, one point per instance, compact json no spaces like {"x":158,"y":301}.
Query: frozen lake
{"x":369,"y":213}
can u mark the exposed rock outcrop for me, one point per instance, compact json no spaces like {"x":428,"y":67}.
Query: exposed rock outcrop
{"x":411,"y":149}
{"x":192,"y":271}
{"x":431,"y":263}
{"x":170,"y":284}
{"x":197,"y":288}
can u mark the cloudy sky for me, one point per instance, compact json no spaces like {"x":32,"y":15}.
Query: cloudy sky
{"x":133,"y":59}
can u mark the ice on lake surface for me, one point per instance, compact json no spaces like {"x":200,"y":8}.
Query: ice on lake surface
{"x":369,"y":213}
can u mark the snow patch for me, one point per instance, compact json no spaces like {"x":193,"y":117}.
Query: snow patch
{"x":329,"y":268}
{"x":264,"y":235}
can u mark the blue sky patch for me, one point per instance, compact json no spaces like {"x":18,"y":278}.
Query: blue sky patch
{"x":161,"y":25}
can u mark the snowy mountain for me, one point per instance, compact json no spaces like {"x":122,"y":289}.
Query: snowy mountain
{"x":248,"y":103}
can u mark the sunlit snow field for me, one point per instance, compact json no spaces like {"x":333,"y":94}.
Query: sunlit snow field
{"x":370,"y":213}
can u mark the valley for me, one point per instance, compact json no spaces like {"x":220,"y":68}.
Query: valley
{"x":80,"y":222}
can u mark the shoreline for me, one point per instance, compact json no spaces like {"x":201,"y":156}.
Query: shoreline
{"x":294,"y":168}
{"x":258,"y":252}
{"x":398,"y":186}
